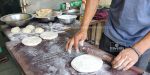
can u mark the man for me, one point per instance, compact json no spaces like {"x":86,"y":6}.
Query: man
{"x":128,"y":26}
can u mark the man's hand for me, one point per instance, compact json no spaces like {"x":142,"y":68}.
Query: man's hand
{"x":125,"y":60}
{"x":90,"y":10}
{"x":80,"y":36}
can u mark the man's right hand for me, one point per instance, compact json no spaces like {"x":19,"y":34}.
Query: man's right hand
{"x":75,"y":40}
{"x":90,"y":9}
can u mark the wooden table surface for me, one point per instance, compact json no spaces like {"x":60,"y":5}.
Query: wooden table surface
{"x":50,"y":57}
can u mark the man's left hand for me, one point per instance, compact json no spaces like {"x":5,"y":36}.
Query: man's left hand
{"x":125,"y":60}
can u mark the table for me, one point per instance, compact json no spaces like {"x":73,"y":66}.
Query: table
{"x":50,"y":57}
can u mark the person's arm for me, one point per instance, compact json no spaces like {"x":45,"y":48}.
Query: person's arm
{"x":90,"y":10}
{"x":143,"y":44}
{"x":129,"y":56}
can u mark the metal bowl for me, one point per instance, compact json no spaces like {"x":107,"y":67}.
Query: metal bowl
{"x":67,"y":19}
{"x":45,"y":19}
{"x":72,"y":12}
{"x":19,"y":19}
{"x":48,"y":18}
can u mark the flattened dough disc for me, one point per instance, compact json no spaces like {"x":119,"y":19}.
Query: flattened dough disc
{"x":32,"y":41}
{"x":87,"y":63}
{"x":49,"y":35}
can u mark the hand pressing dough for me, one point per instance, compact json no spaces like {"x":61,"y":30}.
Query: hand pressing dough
{"x":31,"y":41}
{"x":26,"y":30}
{"x":15,"y":30}
{"x":87,"y":63}
{"x":39,"y":30}
{"x":81,"y":43}
{"x":49,"y":35}
{"x":31,"y":27}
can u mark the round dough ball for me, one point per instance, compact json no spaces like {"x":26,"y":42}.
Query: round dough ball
{"x":31,"y":27}
{"x":26,"y":30}
{"x":49,"y":35}
{"x":39,"y":30}
{"x":31,"y":41}
{"x":15,"y":30}
{"x":87,"y":63}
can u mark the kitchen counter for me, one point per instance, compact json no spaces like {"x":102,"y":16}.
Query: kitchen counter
{"x":50,"y":57}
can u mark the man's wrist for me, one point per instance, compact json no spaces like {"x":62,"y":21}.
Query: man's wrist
{"x":84,"y":29}
{"x":143,"y":45}
{"x":141,"y":48}
{"x":137,"y":51}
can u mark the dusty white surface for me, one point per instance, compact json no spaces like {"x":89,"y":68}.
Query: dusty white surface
{"x":49,"y":35}
{"x":87,"y":63}
{"x":32,"y":41}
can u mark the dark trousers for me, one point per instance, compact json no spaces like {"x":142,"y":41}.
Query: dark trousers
{"x":113,"y":48}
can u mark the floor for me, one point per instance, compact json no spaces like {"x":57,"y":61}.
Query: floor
{"x":9,"y":67}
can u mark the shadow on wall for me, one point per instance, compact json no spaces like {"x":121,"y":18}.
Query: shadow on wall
{"x":9,"y":6}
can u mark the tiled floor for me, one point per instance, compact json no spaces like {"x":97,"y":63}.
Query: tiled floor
{"x":9,"y":67}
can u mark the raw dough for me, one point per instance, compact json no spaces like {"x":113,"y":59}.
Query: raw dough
{"x":15,"y":30}
{"x":49,"y":35}
{"x":87,"y":63}
{"x":32,"y":41}
{"x":26,"y":30}
{"x":31,"y":27}
{"x":39,"y":30}
{"x":42,"y":13}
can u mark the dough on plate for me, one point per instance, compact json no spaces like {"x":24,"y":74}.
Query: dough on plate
{"x":15,"y":30}
{"x":26,"y":30}
{"x":49,"y":35}
{"x":42,"y":13}
{"x":39,"y":30}
{"x":31,"y":41}
{"x":87,"y":63}
{"x":31,"y":27}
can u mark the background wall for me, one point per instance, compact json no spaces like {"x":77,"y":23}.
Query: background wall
{"x":13,"y":6}
{"x":9,"y":6}
{"x":54,"y":4}
{"x":37,"y":4}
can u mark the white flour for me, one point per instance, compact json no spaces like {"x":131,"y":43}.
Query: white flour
{"x":50,"y":57}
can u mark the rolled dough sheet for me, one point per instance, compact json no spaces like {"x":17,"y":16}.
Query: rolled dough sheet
{"x":31,"y":41}
{"x":49,"y":35}
{"x":87,"y":63}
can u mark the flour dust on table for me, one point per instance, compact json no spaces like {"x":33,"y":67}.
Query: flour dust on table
{"x":56,"y":61}
{"x":35,"y":29}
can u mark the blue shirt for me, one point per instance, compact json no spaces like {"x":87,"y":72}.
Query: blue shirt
{"x":128,"y":22}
